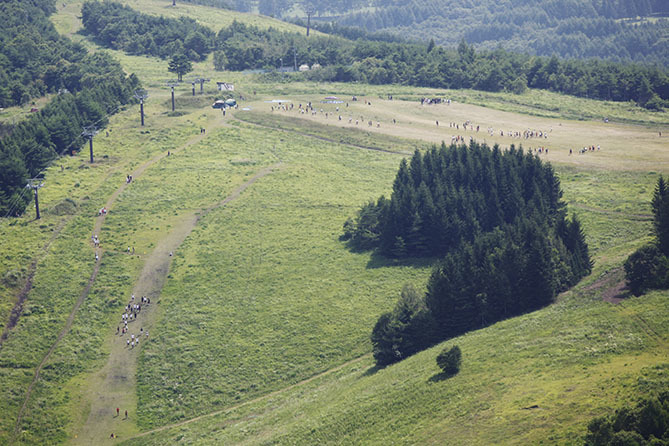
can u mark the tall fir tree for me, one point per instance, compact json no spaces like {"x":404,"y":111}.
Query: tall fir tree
{"x":660,"y":206}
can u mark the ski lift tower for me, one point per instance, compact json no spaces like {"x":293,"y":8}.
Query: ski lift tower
{"x":141,"y":95}
{"x":89,"y":132}
{"x":172,"y":84}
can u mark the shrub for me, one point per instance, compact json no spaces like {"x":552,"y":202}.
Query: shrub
{"x":646,"y":269}
{"x":449,"y":360}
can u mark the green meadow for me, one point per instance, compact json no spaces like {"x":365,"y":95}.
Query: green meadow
{"x":260,"y":334}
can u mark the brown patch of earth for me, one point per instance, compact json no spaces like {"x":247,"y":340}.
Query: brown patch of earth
{"x":612,"y":285}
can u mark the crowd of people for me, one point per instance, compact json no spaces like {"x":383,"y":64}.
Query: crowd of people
{"x":526,"y":134}
{"x":130,"y":314}
{"x":586,"y":149}
{"x":131,"y":311}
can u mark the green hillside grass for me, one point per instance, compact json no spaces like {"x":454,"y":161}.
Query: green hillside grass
{"x":214,"y":18}
{"x":574,"y":360}
{"x":262,"y":295}
{"x":289,"y":299}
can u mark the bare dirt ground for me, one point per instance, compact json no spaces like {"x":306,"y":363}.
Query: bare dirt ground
{"x":115,"y":384}
{"x":622,"y":146}
{"x":611,"y":285}
{"x":68,"y":324}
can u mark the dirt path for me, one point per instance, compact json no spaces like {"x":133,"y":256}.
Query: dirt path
{"x":115,"y":384}
{"x":68,"y":323}
{"x":17,"y":310}
{"x":614,"y":290}
{"x":251,"y":401}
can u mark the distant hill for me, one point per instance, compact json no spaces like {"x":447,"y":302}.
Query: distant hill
{"x":620,"y":30}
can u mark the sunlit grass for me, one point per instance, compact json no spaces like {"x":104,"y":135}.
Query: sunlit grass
{"x":263,"y":294}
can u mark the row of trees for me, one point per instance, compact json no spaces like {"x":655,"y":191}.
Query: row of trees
{"x":90,"y":88}
{"x":241,"y":47}
{"x":648,"y":267}
{"x":494,"y":218}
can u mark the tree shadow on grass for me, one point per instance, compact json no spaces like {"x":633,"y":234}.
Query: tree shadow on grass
{"x":371,"y":371}
{"x":377,"y":260}
{"x":441,"y":377}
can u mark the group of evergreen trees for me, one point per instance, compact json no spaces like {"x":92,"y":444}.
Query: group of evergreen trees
{"x":90,"y":86}
{"x":647,"y":424}
{"x":240,"y":47}
{"x":34,"y":58}
{"x":121,"y":27}
{"x":648,"y":267}
{"x":495,"y":220}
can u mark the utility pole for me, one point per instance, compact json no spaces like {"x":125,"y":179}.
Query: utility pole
{"x":35,"y":184}
{"x":89,"y":132}
{"x":201,"y":81}
{"x":309,"y":9}
{"x":141,"y":95}
{"x":172,"y":84}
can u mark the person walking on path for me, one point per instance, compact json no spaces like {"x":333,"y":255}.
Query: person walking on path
{"x":117,"y":411}
{"x":126,"y":414}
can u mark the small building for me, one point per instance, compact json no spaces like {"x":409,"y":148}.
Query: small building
{"x":224,"y":86}
{"x":316,"y":66}
{"x":219,"y":104}
{"x":304,"y":67}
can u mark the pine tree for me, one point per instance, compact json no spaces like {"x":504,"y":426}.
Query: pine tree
{"x":180,"y":65}
{"x":660,"y":206}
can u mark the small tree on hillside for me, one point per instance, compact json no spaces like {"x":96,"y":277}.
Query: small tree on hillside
{"x":449,"y":360}
{"x":180,"y":65}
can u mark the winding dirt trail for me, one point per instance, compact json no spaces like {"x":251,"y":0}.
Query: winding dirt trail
{"x":68,"y":323}
{"x":114,"y":385}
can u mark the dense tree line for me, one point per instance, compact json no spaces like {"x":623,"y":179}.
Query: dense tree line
{"x":568,"y":28}
{"x":647,"y":424}
{"x":648,"y":267}
{"x":34,"y":58}
{"x":240,"y":47}
{"x":496,"y":221}
{"x":120,"y":27}
{"x":90,"y":88}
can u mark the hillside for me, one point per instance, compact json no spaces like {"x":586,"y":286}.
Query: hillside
{"x":259,"y":321}
{"x":614,"y":30}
